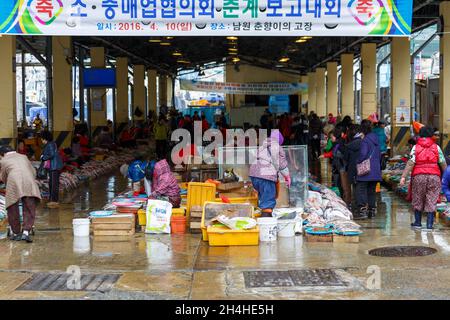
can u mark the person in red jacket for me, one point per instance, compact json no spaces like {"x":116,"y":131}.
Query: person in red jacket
{"x":426,"y":162}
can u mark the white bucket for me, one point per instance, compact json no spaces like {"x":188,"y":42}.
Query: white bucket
{"x":81,"y":227}
{"x":286,"y":228}
{"x":267,"y":229}
{"x":81,"y":244}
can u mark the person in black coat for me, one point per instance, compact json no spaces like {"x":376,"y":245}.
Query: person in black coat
{"x":352,"y":153}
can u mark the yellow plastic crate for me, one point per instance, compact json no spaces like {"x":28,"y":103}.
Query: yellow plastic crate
{"x":142,"y":215}
{"x":198,"y":194}
{"x":183,"y":185}
{"x":222,"y":236}
{"x":205,"y":236}
{"x":251,"y":200}
{"x":178,"y":211}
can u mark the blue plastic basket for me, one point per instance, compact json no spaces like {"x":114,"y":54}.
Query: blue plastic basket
{"x":311,"y":230}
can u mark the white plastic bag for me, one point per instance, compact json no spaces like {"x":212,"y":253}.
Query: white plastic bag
{"x":237,"y":223}
{"x":159,"y":214}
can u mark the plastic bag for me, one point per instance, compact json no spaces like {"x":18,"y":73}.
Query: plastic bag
{"x":159,"y":214}
{"x":237,"y":223}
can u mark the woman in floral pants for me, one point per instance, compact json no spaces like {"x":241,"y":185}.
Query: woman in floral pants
{"x":426,"y":162}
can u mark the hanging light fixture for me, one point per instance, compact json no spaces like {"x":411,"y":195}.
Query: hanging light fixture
{"x":284,"y":59}
{"x":232,"y":53}
{"x":155,"y":40}
{"x":177,"y":53}
{"x":165,"y":44}
{"x":306,"y":38}
{"x":232,"y":38}
{"x":301,"y":40}
{"x":232,"y":49}
{"x":236,"y":59}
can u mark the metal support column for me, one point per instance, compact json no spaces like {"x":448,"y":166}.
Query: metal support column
{"x":81,"y":83}
{"x":24,"y":90}
{"x":48,"y":56}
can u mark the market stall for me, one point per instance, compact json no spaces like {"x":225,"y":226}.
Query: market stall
{"x":225,"y":210}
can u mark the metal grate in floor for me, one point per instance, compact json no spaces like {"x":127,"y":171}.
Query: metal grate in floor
{"x":59,"y":282}
{"x":402,"y":251}
{"x":293,"y":278}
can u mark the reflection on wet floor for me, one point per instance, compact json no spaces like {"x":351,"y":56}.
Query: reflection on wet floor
{"x":55,"y":248}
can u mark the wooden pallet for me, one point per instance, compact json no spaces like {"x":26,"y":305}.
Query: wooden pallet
{"x":318,"y":238}
{"x":115,"y":225}
{"x":345,"y":239}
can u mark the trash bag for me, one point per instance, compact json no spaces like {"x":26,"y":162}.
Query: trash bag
{"x":159,"y":214}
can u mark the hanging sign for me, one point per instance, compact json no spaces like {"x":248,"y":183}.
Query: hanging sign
{"x":207,"y":17}
{"x":263,"y":88}
{"x":402,"y":116}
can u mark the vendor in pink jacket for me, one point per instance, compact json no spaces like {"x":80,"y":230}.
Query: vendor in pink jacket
{"x":271,"y":160}
{"x":164,"y":185}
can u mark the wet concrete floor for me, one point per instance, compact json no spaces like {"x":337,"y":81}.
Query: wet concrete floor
{"x":183,"y":267}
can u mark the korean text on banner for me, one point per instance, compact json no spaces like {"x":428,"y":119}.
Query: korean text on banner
{"x":207,"y":17}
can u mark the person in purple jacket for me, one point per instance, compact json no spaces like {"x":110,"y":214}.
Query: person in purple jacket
{"x":446,"y":183}
{"x":271,"y":160}
{"x":366,"y":185}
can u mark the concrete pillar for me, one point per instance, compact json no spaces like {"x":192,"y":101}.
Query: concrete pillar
{"x":347,"y":94}
{"x":151,"y":87}
{"x":139,"y":91}
{"x":369,"y":79}
{"x":8,"y":127}
{"x":444,"y":79}
{"x":304,"y":96}
{"x":122,"y":100}
{"x":332,"y":84}
{"x":400,"y":92}
{"x":98,"y":96}
{"x":321,"y":103}
{"x":62,"y":91}
{"x":162,"y":90}
{"x":312,"y":92}
{"x":170,"y":90}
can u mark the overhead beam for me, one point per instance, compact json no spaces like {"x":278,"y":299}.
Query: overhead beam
{"x":24,"y":43}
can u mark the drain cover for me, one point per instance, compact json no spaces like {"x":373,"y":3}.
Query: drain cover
{"x":293,"y":278}
{"x":58,"y":282}
{"x":402,"y":251}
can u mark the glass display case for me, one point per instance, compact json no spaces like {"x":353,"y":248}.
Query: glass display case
{"x":239,"y":160}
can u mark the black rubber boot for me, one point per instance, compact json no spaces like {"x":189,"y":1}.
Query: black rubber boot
{"x":418,"y":219}
{"x":372,"y":212}
{"x":266,"y":213}
{"x":27,"y":238}
{"x":362,"y":214}
{"x":15,"y":237}
{"x":430,"y":220}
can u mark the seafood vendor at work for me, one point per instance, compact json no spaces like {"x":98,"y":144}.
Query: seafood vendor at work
{"x":136,"y":173}
{"x":271,"y":160}
{"x":164,"y":185}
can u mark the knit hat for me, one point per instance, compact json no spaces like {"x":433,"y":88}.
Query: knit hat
{"x":276,"y":135}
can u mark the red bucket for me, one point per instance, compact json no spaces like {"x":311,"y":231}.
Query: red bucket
{"x":178,"y":224}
